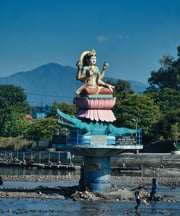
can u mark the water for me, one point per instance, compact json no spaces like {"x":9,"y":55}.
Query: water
{"x":53,"y":207}
{"x":33,"y":184}
{"x":21,"y":171}
{"x":56,"y":207}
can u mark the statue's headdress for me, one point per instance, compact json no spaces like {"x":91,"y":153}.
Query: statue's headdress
{"x":92,"y":53}
{"x":86,"y":54}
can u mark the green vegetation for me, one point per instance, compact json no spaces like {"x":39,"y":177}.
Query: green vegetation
{"x":177,"y":147}
{"x":13,"y":143}
{"x":41,"y":129}
{"x":156,"y":111}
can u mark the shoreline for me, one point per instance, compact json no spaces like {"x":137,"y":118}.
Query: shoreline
{"x":121,"y":188}
{"x":165,"y":181}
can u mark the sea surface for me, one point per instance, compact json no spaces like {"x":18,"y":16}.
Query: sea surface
{"x":56,"y":207}
{"x":53,"y":207}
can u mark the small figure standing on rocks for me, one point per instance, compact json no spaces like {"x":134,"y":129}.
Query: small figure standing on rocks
{"x":81,"y":180}
{"x":1,"y":180}
{"x":138,"y":200}
{"x":154,"y":190}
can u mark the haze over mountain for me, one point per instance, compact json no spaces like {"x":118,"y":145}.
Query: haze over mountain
{"x":52,"y":82}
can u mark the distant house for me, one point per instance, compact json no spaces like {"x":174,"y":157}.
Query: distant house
{"x":28,"y":117}
{"x":40,"y":115}
{"x":42,"y":144}
{"x":40,"y":111}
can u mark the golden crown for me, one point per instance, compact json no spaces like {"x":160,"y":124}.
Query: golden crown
{"x":87,"y":53}
{"x":92,"y":52}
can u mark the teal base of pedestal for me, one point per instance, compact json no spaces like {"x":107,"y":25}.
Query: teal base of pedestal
{"x":97,"y":176}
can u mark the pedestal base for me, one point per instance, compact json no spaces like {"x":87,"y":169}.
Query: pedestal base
{"x":96,"y":176}
{"x":96,"y":108}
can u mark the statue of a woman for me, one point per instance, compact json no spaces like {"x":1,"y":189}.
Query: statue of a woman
{"x":89,"y":73}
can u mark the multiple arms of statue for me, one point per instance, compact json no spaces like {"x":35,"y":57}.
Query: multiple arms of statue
{"x":101,"y":75}
{"x":89,"y":73}
{"x":82,"y":76}
{"x":79,"y":75}
{"x":105,"y":66}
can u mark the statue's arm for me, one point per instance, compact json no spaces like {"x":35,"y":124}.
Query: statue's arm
{"x":100,"y":82}
{"x":102,"y":73}
{"x":80,"y":75}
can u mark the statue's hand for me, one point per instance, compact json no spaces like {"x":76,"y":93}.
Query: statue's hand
{"x":105,"y":65}
{"x":79,"y":65}
{"x":111,"y":87}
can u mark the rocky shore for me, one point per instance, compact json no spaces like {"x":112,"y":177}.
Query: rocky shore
{"x":123,"y":188}
{"x":165,"y":181}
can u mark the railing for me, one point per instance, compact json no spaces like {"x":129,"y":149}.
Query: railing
{"x":9,"y":157}
{"x":76,"y":137}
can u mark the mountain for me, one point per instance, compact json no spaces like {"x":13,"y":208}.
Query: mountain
{"x":52,"y":82}
{"x":137,"y":86}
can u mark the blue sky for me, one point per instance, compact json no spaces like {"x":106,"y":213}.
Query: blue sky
{"x":132,"y":35}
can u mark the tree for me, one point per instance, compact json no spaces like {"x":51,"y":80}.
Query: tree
{"x":121,"y":92}
{"x":122,"y":88}
{"x":168,"y":76}
{"x":14,"y":124}
{"x":13,"y":107}
{"x":167,"y":99}
{"x":167,"y":128}
{"x":133,"y":110}
{"x":175,"y":134}
{"x":41,"y":129}
{"x":141,"y":108}
{"x":133,"y":106}
{"x":13,"y":96}
{"x":64,"y":107}
{"x":164,"y":90}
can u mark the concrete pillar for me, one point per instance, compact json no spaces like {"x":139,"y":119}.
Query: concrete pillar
{"x":97,"y":174}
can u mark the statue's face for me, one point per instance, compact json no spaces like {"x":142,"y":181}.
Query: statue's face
{"x":92,"y":60}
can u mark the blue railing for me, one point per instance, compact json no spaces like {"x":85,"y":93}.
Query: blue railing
{"x":77,"y":138}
